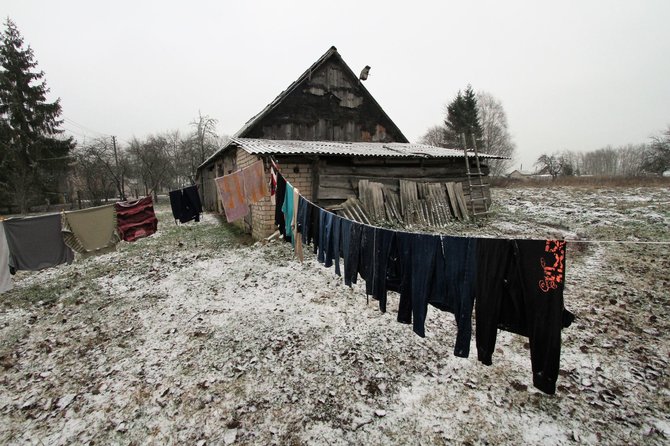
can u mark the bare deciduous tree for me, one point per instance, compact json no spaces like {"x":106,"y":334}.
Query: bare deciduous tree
{"x":496,"y":139}
{"x":434,"y":136}
{"x":152,"y":162}
{"x":657,"y":159}
{"x":204,"y":136}
{"x":101,"y":154}
{"x":552,"y":164}
{"x":92,"y":175}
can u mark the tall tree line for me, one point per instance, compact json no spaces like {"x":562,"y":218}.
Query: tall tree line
{"x":627,"y":160}
{"x":144,"y":166}
{"x":481,"y":118}
{"x":34,"y":154}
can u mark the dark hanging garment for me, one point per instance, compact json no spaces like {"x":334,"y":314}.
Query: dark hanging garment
{"x":417,"y":254}
{"x":193,"y":205}
{"x":337,"y":243}
{"x":520,"y":290}
{"x":316,"y":227}
{"x":352,"y":258}
{"x":136,"y":219}
{"x":331,"y":241}
{"x":456,"y":273}
{"x":367,"y":257}
{"x":186,"y":204}
{"x":279,"y":203}
{"x":394,"y":268}
{"x":345,"y":241}
{"x":325,"y":236}
{"x":36,"y":243}
{"x":303,"y":225}
{"x":384,"y":242}
{"x":175,"y":203}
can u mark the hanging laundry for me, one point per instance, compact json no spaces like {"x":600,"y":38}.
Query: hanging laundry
{"x":231,"y":193}
{"x":345,"y":243}
{"x":367,"y":257}
{"x":255,"y":186}
{"x":303,"y":219}
{"x":418,"y":253}
{"x":5,"y":276}
{"x":297,"y":239}
{"x":352,"y":258}
{"x":325,"y":236}
{"x":287,"y":209}
{"x":384,"y":242}
{"x":279,"y":214}
{"x":91,"y":231}
{"x":136,"y":219}
{"x":185,"y":204}
{"x":36,"y":243}
{"x":335,"y":252}
{"x":273,"y":185}
{"x":315,"y":226}
{"x":520,"y":290}
{"x":456,"y":272}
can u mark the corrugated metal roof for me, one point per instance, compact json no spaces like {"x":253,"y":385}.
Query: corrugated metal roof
{"x":362,"y":149}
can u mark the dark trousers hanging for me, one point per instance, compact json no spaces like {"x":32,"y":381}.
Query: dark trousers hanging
{"x":520,"y":290}
{"x":367,"y":256}
{"x":384,"y":241}
{"x":336,"y":248}
{"x":460,"y":256}
{"x":352,"y":257}
{"x":279,"y":203}
{"x":417,"y":253}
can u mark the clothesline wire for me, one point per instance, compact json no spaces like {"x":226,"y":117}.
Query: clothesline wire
{"x":631,"y":242}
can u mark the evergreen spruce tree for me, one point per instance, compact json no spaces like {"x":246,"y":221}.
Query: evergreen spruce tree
{"x":33,"y":152}
{"x":462,"y":117}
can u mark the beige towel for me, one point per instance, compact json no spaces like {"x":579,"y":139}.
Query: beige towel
{"x":91,"y":231}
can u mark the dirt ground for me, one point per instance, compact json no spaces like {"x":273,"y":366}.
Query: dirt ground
{"x":196,"y":335}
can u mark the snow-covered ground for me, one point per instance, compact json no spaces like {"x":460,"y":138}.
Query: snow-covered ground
{"x":198,"y":336}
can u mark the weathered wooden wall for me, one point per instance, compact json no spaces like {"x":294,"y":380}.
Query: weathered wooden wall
{"x":329,"y":181}
{"x":338,"y":177}
{"x":328,"y":106}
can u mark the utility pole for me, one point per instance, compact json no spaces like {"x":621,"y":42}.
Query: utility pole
{"x":118,"y":179}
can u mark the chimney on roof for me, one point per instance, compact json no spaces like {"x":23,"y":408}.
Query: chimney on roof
{"x":365,"y":73}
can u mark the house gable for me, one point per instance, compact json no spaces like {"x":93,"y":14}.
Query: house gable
{"x":328,"y":103}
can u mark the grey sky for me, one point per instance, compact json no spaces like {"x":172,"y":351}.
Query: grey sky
{"x":572,"y":75}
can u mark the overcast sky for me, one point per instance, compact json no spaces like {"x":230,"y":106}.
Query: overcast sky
{"x":575,"y":75}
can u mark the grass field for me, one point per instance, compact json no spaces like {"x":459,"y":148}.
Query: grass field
{"x":198,"y":335}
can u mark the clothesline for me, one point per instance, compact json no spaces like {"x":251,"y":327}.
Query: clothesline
{"x":639,"y":242}
{"x":631,"y":242}
{"x":452,"y":274}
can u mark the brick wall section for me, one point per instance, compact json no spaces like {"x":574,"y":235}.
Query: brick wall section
{"x":301,"y":179}
{"x":263,"y":212}
{"x":261,"y":220}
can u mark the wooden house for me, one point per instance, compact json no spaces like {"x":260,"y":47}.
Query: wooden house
{"x":328,"y":133}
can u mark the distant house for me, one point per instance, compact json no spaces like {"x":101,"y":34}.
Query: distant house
{"x":520,"y":175}
{"x":327,"y":133}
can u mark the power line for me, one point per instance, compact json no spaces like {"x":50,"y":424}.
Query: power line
{"x":83,"y":127}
